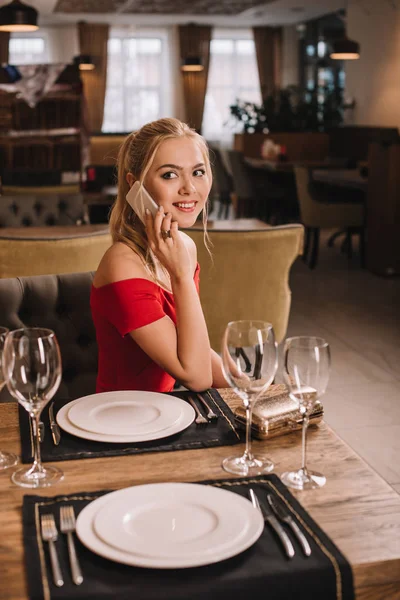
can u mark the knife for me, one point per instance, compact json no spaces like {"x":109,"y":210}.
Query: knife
{"x":283,"y":514}
{"x":270,"y":518}
{"x":55,"y":430}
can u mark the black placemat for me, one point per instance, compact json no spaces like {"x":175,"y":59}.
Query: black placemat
{"x":262,"y":571}
{"x":222,"y":432}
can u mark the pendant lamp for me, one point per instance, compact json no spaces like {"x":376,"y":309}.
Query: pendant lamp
{"x":84,"y":62}
{"x":345,"y":49}
{"x":192,"y":63}
{"x":17,"y":16}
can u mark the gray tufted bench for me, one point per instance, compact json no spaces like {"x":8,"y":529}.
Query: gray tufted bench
{"x":61,"y":303}
{"x":54,"y":209}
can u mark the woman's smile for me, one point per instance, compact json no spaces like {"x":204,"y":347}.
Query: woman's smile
{"x":187,"y":207}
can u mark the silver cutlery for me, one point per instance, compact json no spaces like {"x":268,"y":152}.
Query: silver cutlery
{"x":211,"y":416}
{"x":200,"y":420}
{"x":283,"y":514}
{"x":50,"y":535}
{"x":55,"y":430}
{"x":67,"y":526}
{"x":270,"y":518}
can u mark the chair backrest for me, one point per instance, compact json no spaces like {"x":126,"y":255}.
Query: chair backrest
{"x":41,"y":190}
{"x":221,"y":178}
{"x":249,"y":277}
{"x":20,"y":257}
{"x":240,"y":174}
{"x":317,"y":211}
{"x":60,"y":303}
{"x":23,"y":211}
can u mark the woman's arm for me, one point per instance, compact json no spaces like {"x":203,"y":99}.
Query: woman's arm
{"x":183,"y":350}
{"x":219,"y":380}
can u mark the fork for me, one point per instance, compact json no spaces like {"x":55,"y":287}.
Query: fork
{"x":67,"y":526}
{"x":199,"y":420}
{"x":211,"y":416}
{"x":50,"y":535}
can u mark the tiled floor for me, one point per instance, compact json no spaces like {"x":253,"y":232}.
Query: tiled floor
{"x":358,"y":313}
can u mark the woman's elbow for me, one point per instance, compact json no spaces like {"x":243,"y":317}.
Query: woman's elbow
{"x":199,"y":383}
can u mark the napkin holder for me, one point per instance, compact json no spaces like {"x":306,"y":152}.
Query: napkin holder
{"x":275,"y":413}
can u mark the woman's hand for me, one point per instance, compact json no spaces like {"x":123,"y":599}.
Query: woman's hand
{"x":171,"y":251}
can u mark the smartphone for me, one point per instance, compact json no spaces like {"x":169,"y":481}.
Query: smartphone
{"x":139,"y":199}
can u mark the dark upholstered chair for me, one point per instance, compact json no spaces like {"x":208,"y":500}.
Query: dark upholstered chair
{"x":38,"y":210}
{"x":61,"y":303}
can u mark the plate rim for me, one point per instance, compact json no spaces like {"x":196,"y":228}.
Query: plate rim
{"x":66,"y":425}
{"x":198,"y":495}
{"x":122,"y":399}
{"x":99,"y":547}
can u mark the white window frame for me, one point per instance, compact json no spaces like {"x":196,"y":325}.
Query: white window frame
{"x":165,"y":85}
{"x":235,"y":35}
{"x":41,"y":33}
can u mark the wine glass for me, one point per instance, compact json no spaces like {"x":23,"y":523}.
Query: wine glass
{"x":7,"y":459}
{"x":249,"y":363}
{"x":306,"y":370}
{"x":32,"y":370}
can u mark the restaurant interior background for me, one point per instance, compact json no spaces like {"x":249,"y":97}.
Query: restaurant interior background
{"x":60,"y":138}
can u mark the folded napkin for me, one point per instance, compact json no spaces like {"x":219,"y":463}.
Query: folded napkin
{"x":219,"y":433}
{"x":261,"y":571}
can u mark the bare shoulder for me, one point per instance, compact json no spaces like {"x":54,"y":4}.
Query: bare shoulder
{"x":118,"y":263}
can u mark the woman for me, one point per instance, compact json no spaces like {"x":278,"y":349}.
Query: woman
{"x":149,"y":322}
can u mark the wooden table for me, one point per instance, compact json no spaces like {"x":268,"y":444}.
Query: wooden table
{"x":52,"y":232}
{"x":356,"y":508}
{"x":232,"y":225}
{"x":347,"y":178}
{"x":286,"y":166}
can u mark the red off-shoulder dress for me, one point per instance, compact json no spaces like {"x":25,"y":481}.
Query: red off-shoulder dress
{"x":117,"y":309}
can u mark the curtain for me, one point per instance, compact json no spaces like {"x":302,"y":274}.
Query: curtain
{"x":4,"y":41}
{"x":268,"y":43}
{"x":93,"y":41}
{"x":194,"y":40}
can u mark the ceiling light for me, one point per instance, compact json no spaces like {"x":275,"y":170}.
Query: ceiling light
{"x":84,"y":62}
{"x":345,"y":49}
{"x":192,"y":63}
{"x":17,"y":16}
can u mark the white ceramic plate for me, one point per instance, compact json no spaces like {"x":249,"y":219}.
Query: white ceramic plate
{"x":169,"y":525}
{"x":126,"y":412}
{"x":186,"y":418}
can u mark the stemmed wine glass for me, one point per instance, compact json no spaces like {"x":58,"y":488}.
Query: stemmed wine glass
{"x":7,"y":459}
{"x":32,"y":370}
{"x":306,"y":371}
{"x":249,"y":362}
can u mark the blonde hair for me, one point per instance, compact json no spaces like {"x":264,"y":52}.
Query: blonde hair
{"x":136,"y":156}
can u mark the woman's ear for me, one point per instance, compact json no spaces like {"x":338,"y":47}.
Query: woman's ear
{"x":130,"y":179}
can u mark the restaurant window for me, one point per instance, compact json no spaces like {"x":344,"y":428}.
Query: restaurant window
{"x":232,"y":75}
{"x":27,"y":50}
{"x":134,"y":92}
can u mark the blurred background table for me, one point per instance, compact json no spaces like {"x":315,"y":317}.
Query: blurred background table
{"x":347,"y":178}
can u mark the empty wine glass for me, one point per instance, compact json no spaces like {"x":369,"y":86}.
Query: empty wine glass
{"x":249,"y":362}
{"x":32,"y":370}
{"x":7,"y":459}
{"x":306,"y":370}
